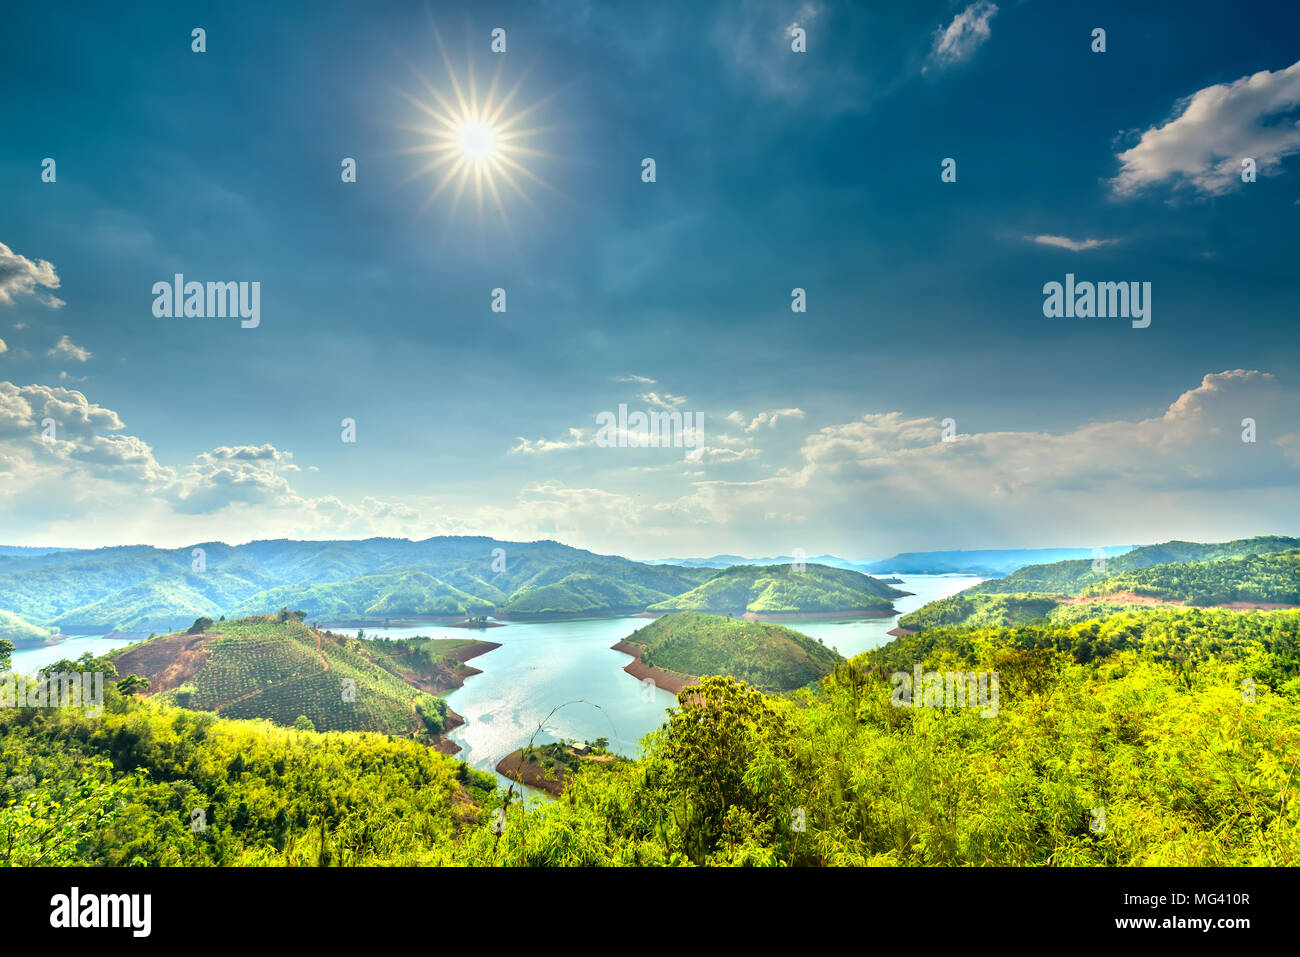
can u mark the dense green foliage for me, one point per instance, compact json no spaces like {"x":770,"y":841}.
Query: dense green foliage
{"x":769,"y":657}
{"x":784,"y":589}
{"x":978,"y":611}
{"x":126,"y":788}
{"x":1269,"y":578}
{"x":1071,"y":577}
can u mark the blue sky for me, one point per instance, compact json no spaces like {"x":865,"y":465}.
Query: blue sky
{"x":774,"y":170}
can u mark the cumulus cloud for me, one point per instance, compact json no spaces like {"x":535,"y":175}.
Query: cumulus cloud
{"x":966,"y":34}
{"x":3,"y":348}
{"x":264,"y":454}
{"x":665,"y":401}
{"x":1074,"y":245}
{"x":1182,"y":473}
{"x":66,"y":349}
{"x":23,"y":408}
{"x":713,"y":455}
{"x":576,"y":438}
{"x":20,"y":276}
{"x":1213,"y":130}
{"x":639,"y":379}
{"x":768,"y":418}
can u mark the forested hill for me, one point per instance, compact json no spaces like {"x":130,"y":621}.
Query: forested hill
{"x":1071,"y":577}
{"x":278,"y":668}
{"x":767,"y":656}
{"x":1256,"y":579}
{"x":1271,"y":579}
{"x":785,"y":589}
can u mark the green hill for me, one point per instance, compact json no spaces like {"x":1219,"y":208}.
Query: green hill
{"x":1272,"y":578}
{"x":1071,"y":577}
{"x":1265,"y":579}
{"x":23,"y":634}
{"x":781,"y":589}
{"x":280,"y":669}
{"x":769,"y":657}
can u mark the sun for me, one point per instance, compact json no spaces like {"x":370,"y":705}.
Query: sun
{"x":477,"y":140}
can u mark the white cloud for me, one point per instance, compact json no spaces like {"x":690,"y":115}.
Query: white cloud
{"x":768,"y":418}
{"x":20,"y":276}
{"x":712,"y":455}
{"x":665,"y":401}
{"x":639,"y":379}
{"x":66,"y":349}
{"x":753,"y":37}
{"x":1184,"y":473}
{"x":966,"y":34}
{"x":1213,"y":130}
{"x":3,"y":348}
{"x":1074,"y":245}
{"x":881,"y":481}
{"x":577,"y":438}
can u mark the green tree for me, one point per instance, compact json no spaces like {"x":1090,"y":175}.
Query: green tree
{"x":133,"y":684}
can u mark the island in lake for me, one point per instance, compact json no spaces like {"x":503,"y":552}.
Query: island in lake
{"x":676,"y":650}
{"x":774,"y":592}
{"x":548,"y":767}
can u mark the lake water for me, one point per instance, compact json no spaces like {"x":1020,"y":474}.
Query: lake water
{"x":563,"y":676}
{"x":28,"y":660}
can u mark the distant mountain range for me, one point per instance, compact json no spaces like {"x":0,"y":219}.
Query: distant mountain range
{"x":985,"y":562}
{"x":30,"y":550}
{"x":139,"y":588}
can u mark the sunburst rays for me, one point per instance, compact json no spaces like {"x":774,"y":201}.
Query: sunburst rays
{"x":477,"y":141}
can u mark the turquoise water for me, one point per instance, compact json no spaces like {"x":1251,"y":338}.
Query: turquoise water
{"x":27,"y":660}
{"x":563,"y":677}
